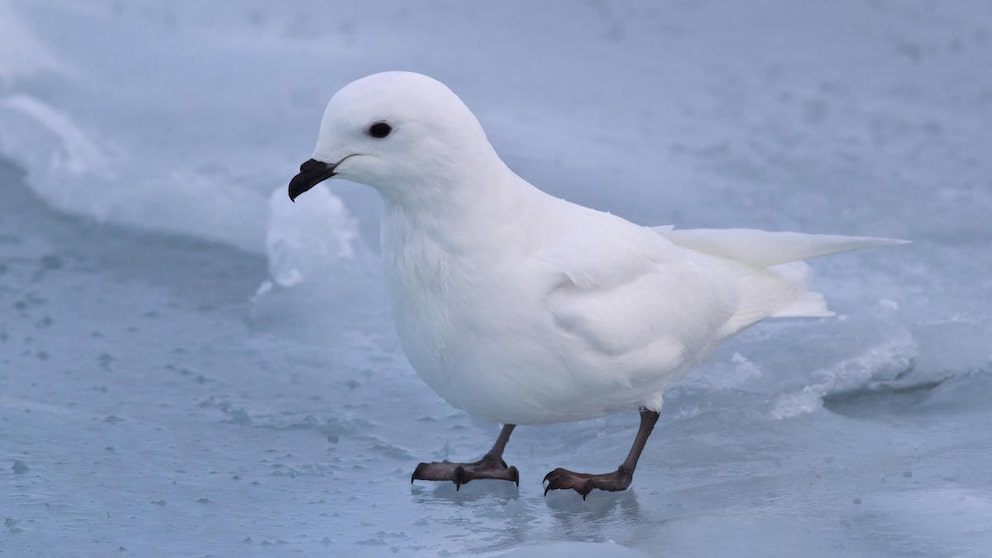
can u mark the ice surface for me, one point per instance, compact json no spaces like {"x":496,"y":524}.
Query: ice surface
{"x":192,"y":366}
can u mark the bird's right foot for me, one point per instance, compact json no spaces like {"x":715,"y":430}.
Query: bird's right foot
{"x":488,"y":467}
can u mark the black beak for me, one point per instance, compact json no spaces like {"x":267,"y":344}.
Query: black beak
{"x":312,"y":172}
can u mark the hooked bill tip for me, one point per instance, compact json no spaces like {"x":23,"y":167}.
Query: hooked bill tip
{"x":312,"y":172}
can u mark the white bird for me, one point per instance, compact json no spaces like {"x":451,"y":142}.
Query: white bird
{"x":524,"y":308}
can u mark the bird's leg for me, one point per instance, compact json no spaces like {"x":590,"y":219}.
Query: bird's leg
{"x":491,"y":466}
{"x":584,"y":483}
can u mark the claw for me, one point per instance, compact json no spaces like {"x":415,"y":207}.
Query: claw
{"x":547,"y":482}
{"x":586,"y":489}
{"x":417,"y":472}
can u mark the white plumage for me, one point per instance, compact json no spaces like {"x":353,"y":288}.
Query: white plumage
{"x":524,"y":308}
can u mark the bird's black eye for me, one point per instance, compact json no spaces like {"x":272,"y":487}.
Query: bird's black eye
{"x":380,"y":130}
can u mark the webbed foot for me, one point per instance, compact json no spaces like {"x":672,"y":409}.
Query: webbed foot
{"x":489,"y":467}
{"x":584,"y":483}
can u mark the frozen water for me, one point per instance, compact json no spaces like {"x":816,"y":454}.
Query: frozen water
{"x":175,"y":379}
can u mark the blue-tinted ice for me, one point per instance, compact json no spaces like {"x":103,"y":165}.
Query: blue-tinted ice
{"x":190,"y":366}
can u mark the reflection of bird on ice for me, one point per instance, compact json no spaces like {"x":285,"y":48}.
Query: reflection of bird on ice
{"x":527,"y":309}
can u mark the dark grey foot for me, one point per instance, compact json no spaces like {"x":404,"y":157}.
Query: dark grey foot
{"x":584,"y":483}
{"x":461,"y":473}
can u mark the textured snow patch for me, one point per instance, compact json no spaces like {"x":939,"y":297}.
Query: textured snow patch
{"x":21,"y":53}
{"x":78,"y":154}
{"x":885,"y":362}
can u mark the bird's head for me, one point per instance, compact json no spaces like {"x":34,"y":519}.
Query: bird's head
{"x":405,"y":134}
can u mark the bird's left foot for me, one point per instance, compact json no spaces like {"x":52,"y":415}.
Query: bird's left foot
{"x":584,"y":483}
{"x":489,"y":467}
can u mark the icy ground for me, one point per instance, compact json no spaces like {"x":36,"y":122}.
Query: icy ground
{"x":192,"y":366}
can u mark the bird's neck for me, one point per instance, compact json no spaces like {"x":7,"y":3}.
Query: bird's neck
{"x":458,"y":217}
{"x":452,"y":195}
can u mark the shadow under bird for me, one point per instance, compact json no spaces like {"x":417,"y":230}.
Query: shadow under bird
{"x":524,"y":308}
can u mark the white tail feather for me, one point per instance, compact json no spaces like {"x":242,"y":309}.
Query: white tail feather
{"x":766,"y":248}
{"x":781,"y":291}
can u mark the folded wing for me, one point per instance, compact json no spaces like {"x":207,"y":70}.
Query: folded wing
{"x":681,"y":292}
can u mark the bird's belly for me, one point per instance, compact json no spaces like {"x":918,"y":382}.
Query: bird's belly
{"x":496,"y":358}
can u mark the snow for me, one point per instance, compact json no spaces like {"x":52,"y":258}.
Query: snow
{"x":191,"y":366}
